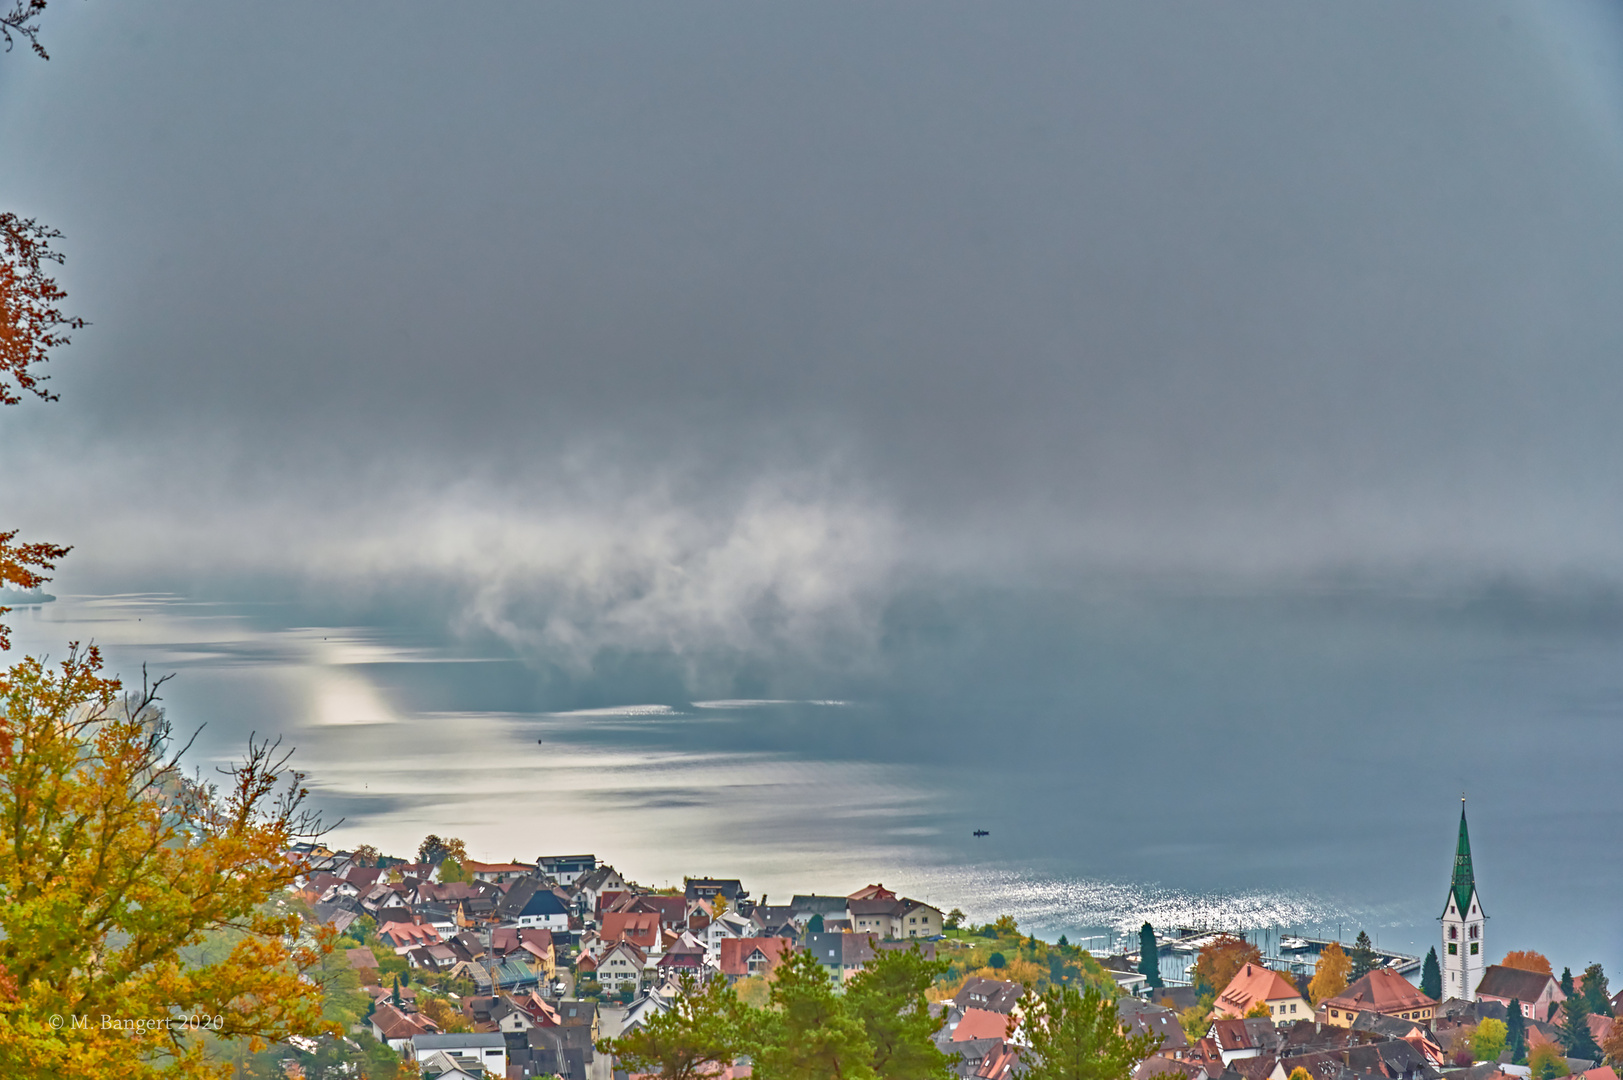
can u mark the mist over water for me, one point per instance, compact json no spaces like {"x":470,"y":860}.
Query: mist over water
{"x":1221,"y":758}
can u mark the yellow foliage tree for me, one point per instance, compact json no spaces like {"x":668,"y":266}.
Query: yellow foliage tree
{"x":1259,"y":1011}
{"x":718,"y":905}
{"x":1300,"y":1073}
{"x":1330,"y":974}
{"x":1545,"y":1061}
{"x":442,"y":1012}
{"x":1196,"y":1020}
{"x":754,"y":991}
{"x":1612,"y":1046}
{"x":1016,"y":970}
{"x":116,"y":864}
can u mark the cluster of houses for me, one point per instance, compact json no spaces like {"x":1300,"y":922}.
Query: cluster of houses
{"x":1381,"y":1027}
{"x":541,"y":943}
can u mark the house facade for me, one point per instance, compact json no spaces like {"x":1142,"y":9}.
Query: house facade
{"x":1256,"y":985}
{"x":1383,"y":992}
{"x":1538,"y":994}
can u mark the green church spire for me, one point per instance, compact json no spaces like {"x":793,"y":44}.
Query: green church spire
{"x":1464,"y":878}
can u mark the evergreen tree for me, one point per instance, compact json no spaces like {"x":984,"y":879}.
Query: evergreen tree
{"x":395,"y":996}
{"x":1149,"y":957}
{"x":811,"y":1035}
{"x":1566,"y":981}
{"x":1363,"y":957}
{"x":1516,"y":1032}
{"x":815,"y":925}
{"x":1079,"y":1036}
{"x":887,"y":998}
{"x":1596,"y":993}
{"x":1063,"y":943}
{"x":1574,"y":1034}
{"x":698,"y":1037}
{"x":1431,"y":976}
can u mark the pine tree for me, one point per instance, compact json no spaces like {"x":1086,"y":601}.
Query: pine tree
{"x":887,"y":997}
{"x":1431,"y":976}
{"x":811,"y":1035}
{"x":1363,"y":957}
{"x":1574,"y":1034}
{"x":699,"y":1036}
{"x":1516,"y":1032}
{"x":1149,"y":957}
{"x":1566,"y":981}
{"x":1079,"y":1036}
{"x":395,"y":997}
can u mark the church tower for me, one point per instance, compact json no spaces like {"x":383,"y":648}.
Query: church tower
{"x":1462,"y":956}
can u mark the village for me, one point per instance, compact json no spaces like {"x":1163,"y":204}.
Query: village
{"x":475,"y":970}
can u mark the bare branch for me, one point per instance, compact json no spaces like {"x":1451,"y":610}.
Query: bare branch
{"x":23,"y":20}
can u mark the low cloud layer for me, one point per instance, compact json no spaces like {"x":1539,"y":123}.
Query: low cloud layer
{"x":715,"y":328}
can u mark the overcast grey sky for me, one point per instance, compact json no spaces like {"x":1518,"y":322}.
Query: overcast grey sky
{"x":677,"y":309}
{"x":876,"y":352}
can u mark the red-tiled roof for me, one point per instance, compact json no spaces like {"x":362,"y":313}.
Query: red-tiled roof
{"x":736,"y":953}
{"x":410,"y":933}
{"x":640,"y":928}
{"x":399,"y":1025}
{"x":980,"y":1024}
{"x":1250,"y":986}
{"x":872,"y":892}
{"x":1507,"y":983}
{"x":998,"y":1063}
{"x":1382,"y":990}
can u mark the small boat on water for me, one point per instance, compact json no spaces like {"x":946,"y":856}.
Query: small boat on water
{"x":1294,"y":944}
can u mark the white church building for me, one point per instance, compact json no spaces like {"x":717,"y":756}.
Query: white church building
{"x":1463,"y":955}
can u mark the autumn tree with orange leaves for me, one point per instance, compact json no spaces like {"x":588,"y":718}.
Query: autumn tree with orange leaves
{"x":1221,"y":959}
{"x":1527,"y":960}
{"x":32,"y":323}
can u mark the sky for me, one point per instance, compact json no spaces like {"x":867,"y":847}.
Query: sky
{"x":920,"y":353}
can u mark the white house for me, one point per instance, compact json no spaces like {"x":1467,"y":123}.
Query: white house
{"x":489,"y":1050}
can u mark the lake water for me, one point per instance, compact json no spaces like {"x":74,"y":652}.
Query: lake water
{"x":1292,"y":762}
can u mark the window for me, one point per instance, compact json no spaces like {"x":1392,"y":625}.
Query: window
{"x":1475,"y":929}
{"x":1293,"y":1006}
{"x":1453,"y":933}
{"x":1475,"y":947}
{"x":1453,"y":949}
